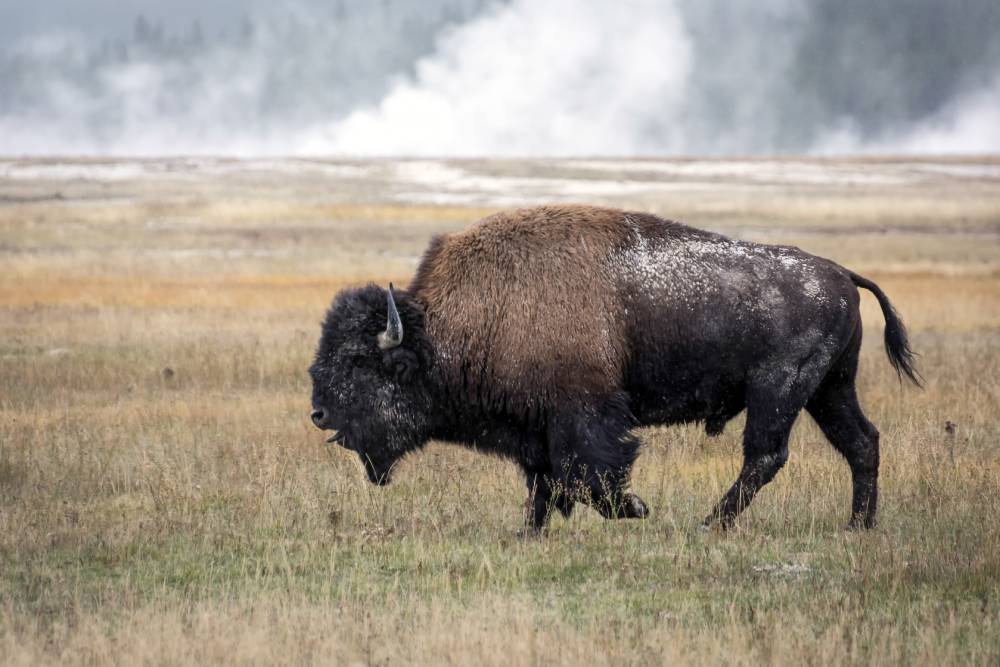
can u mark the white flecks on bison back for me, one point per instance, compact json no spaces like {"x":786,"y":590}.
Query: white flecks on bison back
{"x":690,"y":267}
{"x":693,"y":270}
{"x":813,"y":289}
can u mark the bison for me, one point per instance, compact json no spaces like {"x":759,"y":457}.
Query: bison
{"x":546,"y":335}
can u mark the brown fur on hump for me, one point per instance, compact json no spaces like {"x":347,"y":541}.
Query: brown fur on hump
{"x":522,"y":305}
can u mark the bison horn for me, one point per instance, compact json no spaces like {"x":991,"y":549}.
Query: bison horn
{"x":393,"y":334}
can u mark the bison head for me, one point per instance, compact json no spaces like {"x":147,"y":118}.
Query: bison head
{"x":369,"y":377}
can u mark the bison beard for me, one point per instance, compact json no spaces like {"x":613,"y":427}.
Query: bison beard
{"x":546,"y":335}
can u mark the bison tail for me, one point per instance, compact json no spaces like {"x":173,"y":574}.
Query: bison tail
{"x":897,"y":344}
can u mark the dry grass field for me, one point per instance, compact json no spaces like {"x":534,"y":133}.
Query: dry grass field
{"x":165,"y":500}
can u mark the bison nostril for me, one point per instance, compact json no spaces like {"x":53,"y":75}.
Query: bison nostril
{"x":318,"y":416}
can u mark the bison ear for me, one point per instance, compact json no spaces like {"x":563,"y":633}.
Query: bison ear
{"x":401,"y":363}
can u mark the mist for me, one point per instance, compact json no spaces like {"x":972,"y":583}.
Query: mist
{"x":491,"y":78}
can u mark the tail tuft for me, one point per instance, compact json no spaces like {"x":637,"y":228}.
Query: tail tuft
{"x":897,"y":343}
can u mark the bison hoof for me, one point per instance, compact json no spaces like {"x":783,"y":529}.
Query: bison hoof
{"x":532,"y":533}
{"x":858,"y":523}
{"x":635,"y":507}
{"x":723,"y":522}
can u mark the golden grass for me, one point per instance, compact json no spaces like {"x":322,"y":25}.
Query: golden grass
{"x":192,"y":515}
{"x":236,"y":292}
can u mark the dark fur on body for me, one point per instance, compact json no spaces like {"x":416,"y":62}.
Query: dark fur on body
{"x":545,"y":335}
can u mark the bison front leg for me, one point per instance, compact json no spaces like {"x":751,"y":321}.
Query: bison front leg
{"x":544,"y":495}
{"x":592,"y":453}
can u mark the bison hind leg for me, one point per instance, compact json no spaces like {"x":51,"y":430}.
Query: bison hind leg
{"x":774,"y":400}
{"x":836,"y":410}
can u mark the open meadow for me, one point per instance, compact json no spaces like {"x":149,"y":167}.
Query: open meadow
{"x":164,"y":498}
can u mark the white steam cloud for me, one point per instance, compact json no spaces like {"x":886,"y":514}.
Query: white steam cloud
{"x":968,"y":125}
{"x":524,"y":77}
{"x":562,"y":77}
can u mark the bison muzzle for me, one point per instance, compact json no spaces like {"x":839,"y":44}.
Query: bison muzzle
{"x":546,"y":335}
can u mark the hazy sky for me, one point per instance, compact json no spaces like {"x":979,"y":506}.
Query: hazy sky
{"x":499,"y":77}
{"x":109,"y":18}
